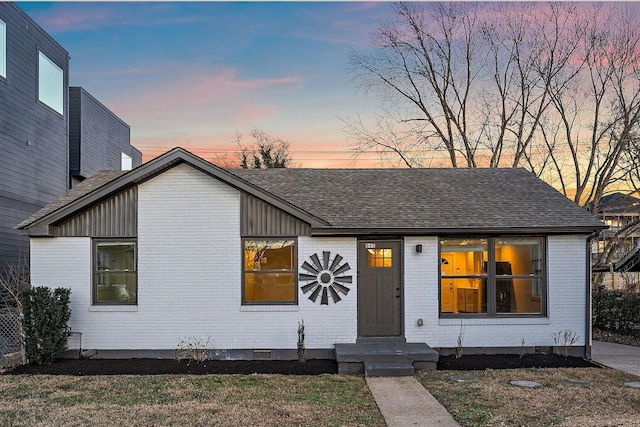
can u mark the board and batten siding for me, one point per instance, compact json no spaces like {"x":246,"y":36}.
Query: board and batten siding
{"x":115,"y":217}
{"x":258,"y":218}
{"x":33,"y":137}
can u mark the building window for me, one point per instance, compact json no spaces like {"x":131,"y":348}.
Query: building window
{"x":269,"y":271}
{"x":494,"y":276}
{"x":3,"y":49}
{"x":50,"y":83}
{"x":115,"y":272}
{"x":125,"y":163}
{"x":382,"y":258}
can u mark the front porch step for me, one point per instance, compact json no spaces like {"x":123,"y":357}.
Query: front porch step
{"x":385,"y":358}
{"x":388,"y":369}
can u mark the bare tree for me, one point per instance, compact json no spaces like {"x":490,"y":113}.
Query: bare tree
{"x":595,"y":117}
{"x":264,"y":152}
{"x":463,"y":82}
{"x":14,"y":279}
{"x":553,"y":88}
{"x":550,"y":87}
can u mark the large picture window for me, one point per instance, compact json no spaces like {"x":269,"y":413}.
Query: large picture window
{"x":50,"y":83}
{"x":115,"y":272}
{"x":492,"y":276}
{"x":269,"y":272}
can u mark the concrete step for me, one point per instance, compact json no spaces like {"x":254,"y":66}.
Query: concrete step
{"x":384,"y":358}
{"x":388,"y":369}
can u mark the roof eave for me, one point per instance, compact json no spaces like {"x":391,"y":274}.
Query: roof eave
{"x":431,"y":231}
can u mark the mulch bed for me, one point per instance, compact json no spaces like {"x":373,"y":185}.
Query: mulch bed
{"x":81,"y":367}
{"x":512,"y":361}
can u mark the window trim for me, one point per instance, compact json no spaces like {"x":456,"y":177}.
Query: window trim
{"x":42,"y":55}
{"x":490,"y":275}
{"x":3,"y":49}
{"x":94,"y":272}
{"x":126,"y":162}
{"x":294,"y":271}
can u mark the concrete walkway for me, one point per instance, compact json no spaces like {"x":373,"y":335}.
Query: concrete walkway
{"x":403,"y":401}
{"x":624,"y":358}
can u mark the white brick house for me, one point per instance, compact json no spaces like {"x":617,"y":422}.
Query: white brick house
{"x":180,"y":249}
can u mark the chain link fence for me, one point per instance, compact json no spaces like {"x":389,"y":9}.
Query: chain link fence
{"x":10,"y":332}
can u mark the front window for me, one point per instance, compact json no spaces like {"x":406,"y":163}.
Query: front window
{"x":50,"y":83}
{"x":269,"y":272}
{"x":492,"y":276}
{"x":3,"y":49}
{"x":115,"y":275}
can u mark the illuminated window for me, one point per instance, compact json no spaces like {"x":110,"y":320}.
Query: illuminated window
{"x":3,"y":49}
{"x":379,"y":258}
{"x":269,"y":272}
{"x":115,"y":275}
{"x":50,"y":83}
{"x":492,"y":276}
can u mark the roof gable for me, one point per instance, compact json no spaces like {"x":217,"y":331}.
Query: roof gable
{"x":414,"y":201}
{"x":108,"y":183}
{"x":364,"y":201}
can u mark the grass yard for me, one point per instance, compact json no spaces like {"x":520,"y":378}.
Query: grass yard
{"x":486,"y":398}
{"x":166,"y":400}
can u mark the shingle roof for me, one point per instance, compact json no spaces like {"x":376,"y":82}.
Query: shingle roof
{"x":619,"y":203}
{"x":424,"y":198}
{"x":343,"y":201}
{"x":96,"y":181}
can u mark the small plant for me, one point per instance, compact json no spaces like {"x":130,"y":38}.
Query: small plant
{"x":302,"y":355}
{"x":193,"y":348}
{"x":566,"y":338}
{"x":45,"y":320}
{"x":459,"y":341}
{"x":522,"y":348}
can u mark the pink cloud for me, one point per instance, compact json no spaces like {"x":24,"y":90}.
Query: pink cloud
{"x":188,"y":95}
{"x":60,"y":20}
{"x":63,"y":17}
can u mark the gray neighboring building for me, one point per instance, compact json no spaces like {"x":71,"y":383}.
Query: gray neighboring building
{"x":37,"y":109}
{"x":98,"y":139}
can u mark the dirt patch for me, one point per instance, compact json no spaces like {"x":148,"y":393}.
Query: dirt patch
{"x":511,"y":361}
{"x":81,"y":367}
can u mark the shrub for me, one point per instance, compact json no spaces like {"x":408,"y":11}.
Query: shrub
{"x":616,"y":311}
{"x":45,"y":317}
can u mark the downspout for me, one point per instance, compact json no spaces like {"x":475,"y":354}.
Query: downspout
{"x":589,"y":276}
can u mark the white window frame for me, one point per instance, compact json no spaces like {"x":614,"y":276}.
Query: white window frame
{"x":3,"y":49}
{"x":126,"y":162}
{"x":50,"y":83}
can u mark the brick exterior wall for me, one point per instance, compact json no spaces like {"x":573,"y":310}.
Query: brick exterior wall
{"x":189,"y":284}
{"x":189,"y":278}
{"x":566,"y":301}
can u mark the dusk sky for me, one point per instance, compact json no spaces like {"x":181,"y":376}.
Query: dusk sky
{"x":195,"y":74}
